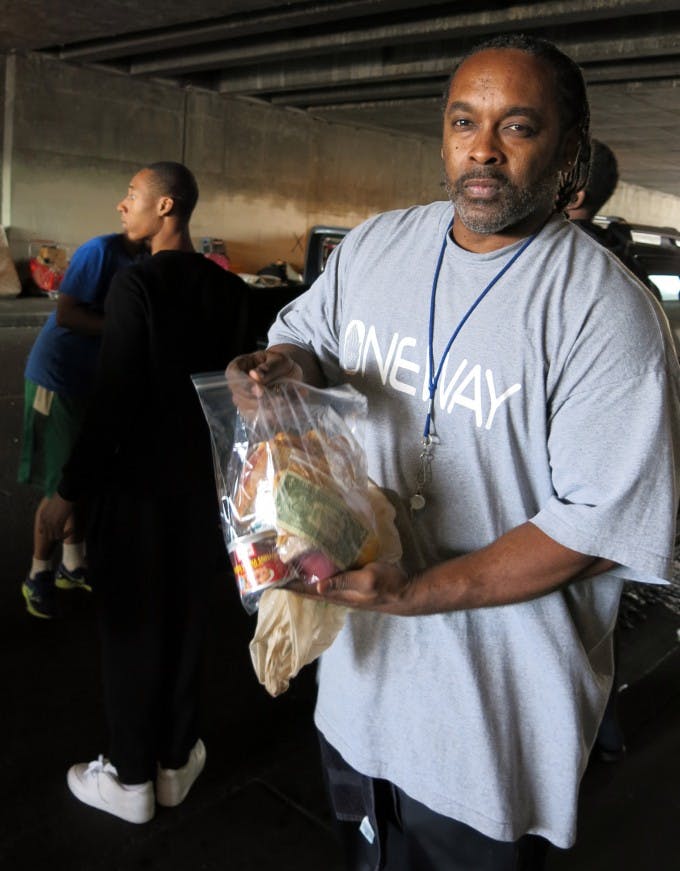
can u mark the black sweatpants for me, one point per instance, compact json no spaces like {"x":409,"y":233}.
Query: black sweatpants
{"x":407,"y":835}
{"x":150,"y":563}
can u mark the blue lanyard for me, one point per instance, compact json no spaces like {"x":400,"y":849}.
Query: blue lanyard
{"x":434,"y":379}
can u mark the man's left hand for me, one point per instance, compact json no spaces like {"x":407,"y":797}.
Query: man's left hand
{"x":375,"y":587}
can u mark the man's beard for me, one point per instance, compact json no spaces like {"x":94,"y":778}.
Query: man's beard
{"x":510,"y":205}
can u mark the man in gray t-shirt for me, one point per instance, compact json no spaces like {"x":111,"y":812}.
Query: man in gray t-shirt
{"x":524,"y":419}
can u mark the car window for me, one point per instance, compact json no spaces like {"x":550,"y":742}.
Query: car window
{"x":669,"y":286}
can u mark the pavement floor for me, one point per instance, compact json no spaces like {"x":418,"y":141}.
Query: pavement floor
{"x":259,"y":805}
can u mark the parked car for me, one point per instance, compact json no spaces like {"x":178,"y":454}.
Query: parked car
{"x":658,"y":250}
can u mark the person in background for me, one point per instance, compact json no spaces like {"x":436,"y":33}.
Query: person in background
{"x":527,"y":427}
{"x":58,"y":381}
{"x":144,"y":462}
{"x":603,"y":178}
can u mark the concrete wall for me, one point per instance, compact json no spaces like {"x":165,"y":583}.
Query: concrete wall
{"x":76,"y":140}
{"x":269,"y":174}
{"x":642,"y":206}
{"x":266,"y":174}
{"x":2,"y":120}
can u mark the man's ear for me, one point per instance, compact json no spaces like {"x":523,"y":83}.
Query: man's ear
{"x":577,"y":202}
{"x":165,"y":205}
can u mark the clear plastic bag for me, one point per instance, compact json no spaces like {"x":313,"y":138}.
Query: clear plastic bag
{"x":292,"y":630}
{"x":292,"y":483}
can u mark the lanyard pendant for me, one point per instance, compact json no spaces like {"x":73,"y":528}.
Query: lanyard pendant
{"x":424,"y":475}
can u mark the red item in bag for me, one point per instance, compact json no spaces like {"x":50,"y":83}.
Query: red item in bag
{"x":45,"y":277}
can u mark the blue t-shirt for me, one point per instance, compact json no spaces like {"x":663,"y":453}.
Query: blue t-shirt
{"x":61,"y":360}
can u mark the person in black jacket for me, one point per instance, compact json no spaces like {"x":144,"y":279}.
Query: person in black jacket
{"x":603,"y":178}
{"x":144,"y":462}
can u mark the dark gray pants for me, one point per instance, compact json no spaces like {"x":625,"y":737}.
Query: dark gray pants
{"x":408,"y":835}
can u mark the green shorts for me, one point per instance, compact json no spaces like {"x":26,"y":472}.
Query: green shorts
{"x":51,"y":427}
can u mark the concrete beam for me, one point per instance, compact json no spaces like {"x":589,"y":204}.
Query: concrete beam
{"x":353,"y":68}
{"x":382,"y":91}
{"x":233,"y":27}
{"x":632,"y":72}
{"x":333,"y":97}
{"x":473,"y":24}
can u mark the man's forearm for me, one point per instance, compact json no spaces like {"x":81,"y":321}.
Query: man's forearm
{"x":523,"y":564}
{"x":79,"y":318}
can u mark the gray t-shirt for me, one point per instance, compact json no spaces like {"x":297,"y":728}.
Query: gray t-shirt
{"x":557,"y":403}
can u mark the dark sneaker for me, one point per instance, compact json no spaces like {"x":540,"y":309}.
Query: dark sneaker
{"x":72,"y":579}
{"x":39,"y":595}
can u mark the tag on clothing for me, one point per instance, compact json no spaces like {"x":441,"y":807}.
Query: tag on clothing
{"x":366,"y":830}
{"x":42,"y":401}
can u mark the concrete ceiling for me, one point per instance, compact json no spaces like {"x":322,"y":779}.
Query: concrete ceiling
{"x":379,"y":63}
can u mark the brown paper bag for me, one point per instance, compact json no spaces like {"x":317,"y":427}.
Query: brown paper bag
{"x":292,"y":631}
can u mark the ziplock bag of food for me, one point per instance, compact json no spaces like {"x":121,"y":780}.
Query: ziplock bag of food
{"x":291,"y":481}
{"x":293,"y":630}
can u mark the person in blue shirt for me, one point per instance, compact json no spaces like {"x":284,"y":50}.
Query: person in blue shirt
{"x":58,"y":379}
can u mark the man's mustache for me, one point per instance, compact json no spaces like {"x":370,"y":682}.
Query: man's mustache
{"x":483,"y":174}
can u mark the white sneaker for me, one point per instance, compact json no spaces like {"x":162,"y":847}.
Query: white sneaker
{"x":97,"y":784}
{"x":173,"y":784}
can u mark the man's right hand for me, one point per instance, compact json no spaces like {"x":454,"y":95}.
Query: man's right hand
{"x":262,"y":368}
{"x":249,"y":374}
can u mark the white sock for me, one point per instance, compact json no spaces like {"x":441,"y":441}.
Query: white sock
{"x":73,"y":555}
{"x":135,"y":787}
{"x":40,"y":565}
